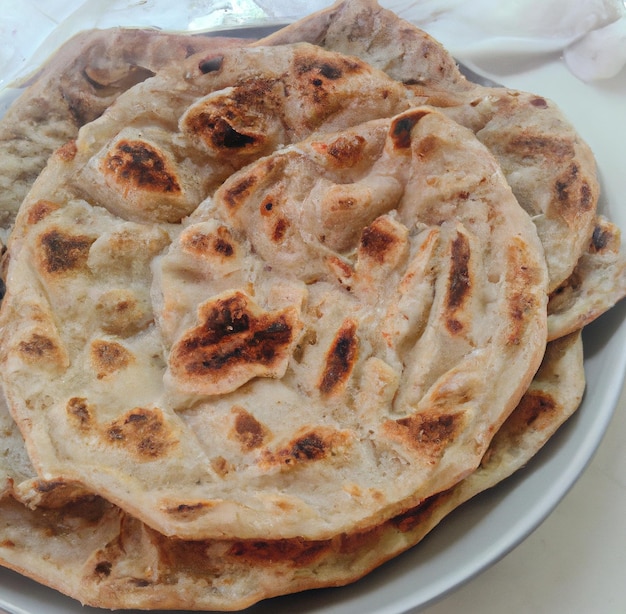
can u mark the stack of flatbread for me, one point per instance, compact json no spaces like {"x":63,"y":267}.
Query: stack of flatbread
{"x":274,"y":309}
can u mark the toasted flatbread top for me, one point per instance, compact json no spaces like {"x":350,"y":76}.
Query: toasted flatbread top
{"x":313,"y":351}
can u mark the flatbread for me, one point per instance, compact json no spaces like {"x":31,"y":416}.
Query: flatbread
{"x":158,"y":271}
{"x":364,"y":29}
{"x":99,"y":555}
{"x":117,"y":58}
{"x":597,"y":283}
{"x":550,"y":168}
{"x":74,"y":87}
{"x":317,"y":351}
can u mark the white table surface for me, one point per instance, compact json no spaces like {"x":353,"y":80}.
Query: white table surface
{"x":575,"y":562}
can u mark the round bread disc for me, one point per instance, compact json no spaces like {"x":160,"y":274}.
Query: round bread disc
{"x":550,"y":168}
{"x":112,"y":560}
{"x":313,"y":351}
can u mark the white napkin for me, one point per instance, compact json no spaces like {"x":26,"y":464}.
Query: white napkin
{"x":589,"y":34}
{"x":600,"y":54}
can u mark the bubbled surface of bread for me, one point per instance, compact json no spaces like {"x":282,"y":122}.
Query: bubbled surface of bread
{"x":305,"y":354}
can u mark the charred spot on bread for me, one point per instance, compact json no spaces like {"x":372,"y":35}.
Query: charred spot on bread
{"x":108,"y":357}
{"x":80,"y":412}
{"x":250,"y":433}
{"x":40,"y":210}
{"x":236,"y":194}
{"x":459,"y":278}
{"x":427,"y":433}
{"x":402,"y":126}
{"x":378,"y":240}
{"x":63,"y":252}
{"x":210,"y":64}
{"x":340,"y":358}
{"x":218,"y":244}
{"x":234,"y":342}
{"x":142,"y":432}
{"x":298,"y":552}
{"x":138,"y":164}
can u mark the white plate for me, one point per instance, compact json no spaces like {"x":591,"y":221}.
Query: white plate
{"x":485,"y":529}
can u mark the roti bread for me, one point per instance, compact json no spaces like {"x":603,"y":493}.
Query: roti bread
{"x":36,"y":512}
{"x":597,"y":283}
{"x":189,"y":413}
{"x":550,"y":168}
{"x":74,"y":87}
{"x":91,"y":70}
{"x":111,"y":560}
